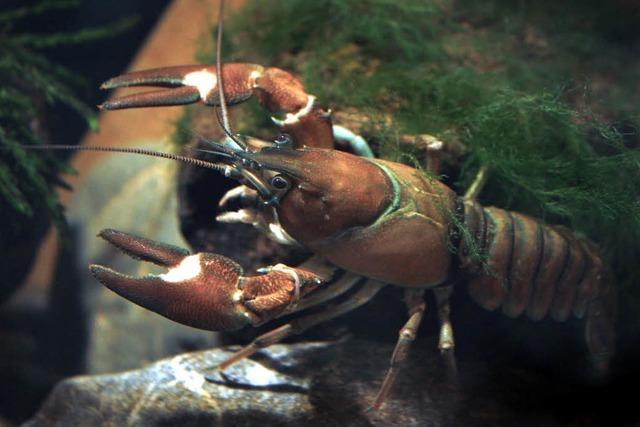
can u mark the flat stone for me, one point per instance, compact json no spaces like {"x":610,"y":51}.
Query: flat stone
{"x":310,"y":384}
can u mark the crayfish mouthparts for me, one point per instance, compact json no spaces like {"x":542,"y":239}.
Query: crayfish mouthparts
{"x":205,"y":290}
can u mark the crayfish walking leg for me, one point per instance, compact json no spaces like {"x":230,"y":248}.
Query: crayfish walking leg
{"x":446,"y":343}
{"x":416,"y":308}
{"x":442,"y":294}
{"x":299,"y":325}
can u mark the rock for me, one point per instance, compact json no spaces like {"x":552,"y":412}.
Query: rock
{"x":175,"y":392}
{"x":311,"y":384}
{"x":286,"y":385}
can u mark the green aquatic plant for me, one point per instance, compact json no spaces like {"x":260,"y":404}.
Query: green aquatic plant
{"x":30,"y":84}
{"x":547,"y":160}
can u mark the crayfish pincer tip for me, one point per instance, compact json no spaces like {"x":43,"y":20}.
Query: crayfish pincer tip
{"x":105,"y":232}
{"x":110,"y":235}
{"x":101,"y":273}
{"x":142,"y":291}
{"x":107,"y":105}
{"x":109,"y":84}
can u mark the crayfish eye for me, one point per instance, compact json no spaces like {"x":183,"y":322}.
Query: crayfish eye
{"x":284,"y":140}
{"x":279,"y":182}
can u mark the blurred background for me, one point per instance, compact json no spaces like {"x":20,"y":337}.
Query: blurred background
{"x":97,"y":41}
{"x":544,"y":94}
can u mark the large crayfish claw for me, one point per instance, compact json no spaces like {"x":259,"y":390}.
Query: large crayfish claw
{"x":184,"y":84}
{"x":277,"y":90}
{"x":205,"y":290}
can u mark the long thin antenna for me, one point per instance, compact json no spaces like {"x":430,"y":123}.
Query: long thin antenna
{"x":227,"y":132}
{"x":222,"y":114}
{"x":223,"y":102}
{"x":220,"y":149}
{"x":129,"y":150}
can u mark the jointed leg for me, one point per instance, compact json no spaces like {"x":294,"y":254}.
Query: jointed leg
{"x":477,"y":185}
{"x":446,"y":343}
{"x":320,"y":267}
{"x":328,"y":292}
{"x":430,"y":147}
{"x":416,"y":308}
{"x":434,"y":154}
{"x":600,"y":331}
{"x":301,"y":324}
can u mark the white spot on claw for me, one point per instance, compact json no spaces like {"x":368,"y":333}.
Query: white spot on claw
{"x":253,"y":77}
{"x":295,"y":117}
{"x":205,"y":81}
{"x":188,"y":269}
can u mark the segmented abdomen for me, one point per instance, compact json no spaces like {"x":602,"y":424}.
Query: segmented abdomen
{"x":528,"y":266}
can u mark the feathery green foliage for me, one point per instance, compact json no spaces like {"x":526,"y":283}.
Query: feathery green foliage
{"x":545,"y":162}
{"x":29,"y":84}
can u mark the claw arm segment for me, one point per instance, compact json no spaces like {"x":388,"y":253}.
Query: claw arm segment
{"x":301,"y":324}
{"x":306,"y":122}
{"x":277,"y":292}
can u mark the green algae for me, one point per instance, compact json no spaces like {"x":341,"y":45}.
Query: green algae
{"x":30,"y":85}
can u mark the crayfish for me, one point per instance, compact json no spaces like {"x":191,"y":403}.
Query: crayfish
{"x":373,"y":218}
{"x":383,"y":223}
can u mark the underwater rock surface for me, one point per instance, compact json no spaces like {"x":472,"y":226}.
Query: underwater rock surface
{"x":174,"y":391}
{"x":311,"y":384}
